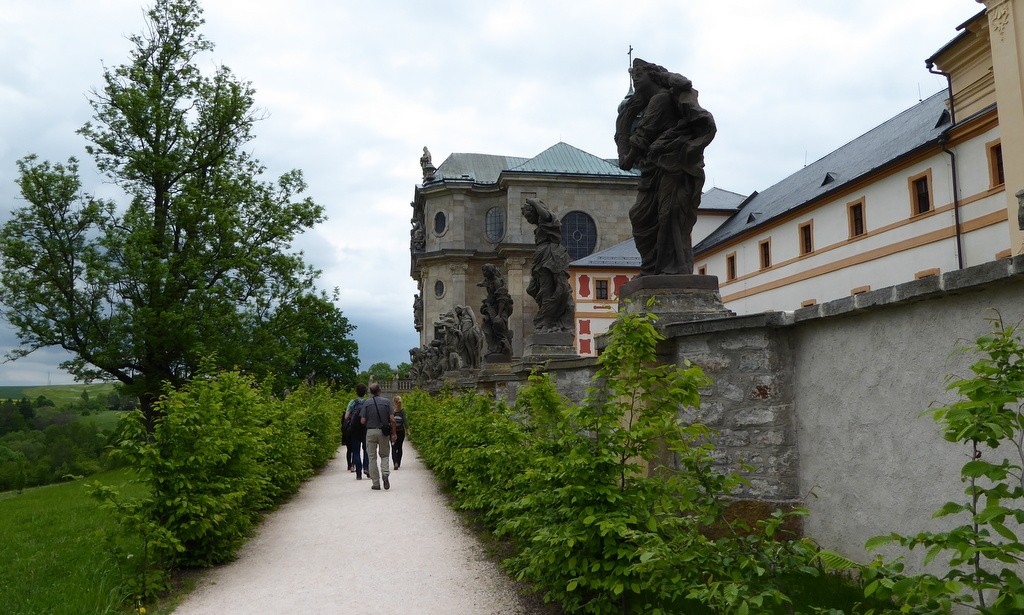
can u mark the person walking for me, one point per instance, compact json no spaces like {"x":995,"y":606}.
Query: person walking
{"x":401,"y":427}
{"x":379,"y":417}
{"x":355,"y":452}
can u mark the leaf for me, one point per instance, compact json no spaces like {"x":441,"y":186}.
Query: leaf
{"x":875,"y":543}
{"x":1004,"y":531}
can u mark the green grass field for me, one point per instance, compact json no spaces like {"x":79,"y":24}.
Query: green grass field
{"x":60,"y":394}
{"x":54,"y":560}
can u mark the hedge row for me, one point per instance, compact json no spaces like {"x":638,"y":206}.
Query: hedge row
{"x":223,"y":452}
{"x":594,"y":519}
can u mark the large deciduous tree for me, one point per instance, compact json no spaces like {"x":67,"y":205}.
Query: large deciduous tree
{"x":196,"y":268}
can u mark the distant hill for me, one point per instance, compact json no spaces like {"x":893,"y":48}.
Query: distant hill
{"x":59,"y":394}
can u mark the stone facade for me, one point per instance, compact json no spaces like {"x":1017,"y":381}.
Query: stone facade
{"x":467,"y":188}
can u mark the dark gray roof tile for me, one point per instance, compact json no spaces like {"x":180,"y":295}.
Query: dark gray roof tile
{"x":894,"y":139}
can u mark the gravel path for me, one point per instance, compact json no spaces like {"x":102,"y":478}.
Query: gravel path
{"x":339,"y":547}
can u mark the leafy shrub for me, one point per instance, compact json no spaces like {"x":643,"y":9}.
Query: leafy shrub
{"x":589,"y":496}
{"x":222,"y":452}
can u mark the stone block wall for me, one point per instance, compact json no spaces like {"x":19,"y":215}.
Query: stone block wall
{"x":829,"y":404}
{"x":750,"y":403}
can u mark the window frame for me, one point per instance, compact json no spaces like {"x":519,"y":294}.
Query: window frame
{"x":443,"y":217}
{"x":731,"y":271}
{"x":915,"y":202}
{"x":805,"y":238}
{"x":574,"y":248}
{"x":607,"y":289}
{"x":994,"y":154}
{"x":852,"y":206}
{"x":487,"y":224}
{"x":764,"y":253}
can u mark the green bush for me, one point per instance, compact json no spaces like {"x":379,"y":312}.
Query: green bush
{"x":583,"y":492}
{"x":222,"y":452}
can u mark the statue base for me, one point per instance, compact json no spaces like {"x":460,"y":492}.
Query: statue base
{"x":497,"y":357}
{"x":543,"y":346}
{"x":677,"y":298}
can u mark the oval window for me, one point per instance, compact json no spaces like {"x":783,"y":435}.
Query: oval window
{"x":495,"y":224}
{"x":439,"y":289}
{"x":440,"y":222}
{"x":579,"y":234}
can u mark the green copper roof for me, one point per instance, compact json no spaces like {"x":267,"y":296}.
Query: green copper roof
{"x":565,"y":159}
{"x":560,"y":159}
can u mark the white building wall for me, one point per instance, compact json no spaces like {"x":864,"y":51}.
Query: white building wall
{"x":898,"y":246}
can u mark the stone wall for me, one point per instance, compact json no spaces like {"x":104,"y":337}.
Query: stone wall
{"x":829,"y":404}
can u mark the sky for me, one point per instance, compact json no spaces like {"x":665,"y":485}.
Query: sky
{"x":352,"y":92}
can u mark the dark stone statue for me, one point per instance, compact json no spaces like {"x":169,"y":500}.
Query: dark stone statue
{"x":662,"y":130}
{"x":417,"y":312}
{"x":1020,"y":209}
{"x":495,"y":312}
{"x":426,"y":165}
{"x":549,"y":275}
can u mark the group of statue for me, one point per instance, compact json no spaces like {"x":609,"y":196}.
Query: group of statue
{"x":662,"y":131}
{"x":458,"y":343}
{"x":458,"y":338}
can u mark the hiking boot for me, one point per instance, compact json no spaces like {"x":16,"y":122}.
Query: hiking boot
{"x":375,"y":487}
{"x":387,"y":483}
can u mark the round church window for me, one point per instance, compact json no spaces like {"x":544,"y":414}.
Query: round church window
{"x":579,"y":234}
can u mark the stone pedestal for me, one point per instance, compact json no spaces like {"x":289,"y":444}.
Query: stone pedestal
{"x":677,"y":298}
{"x":543,"y":346}
{"x":492,"y":358}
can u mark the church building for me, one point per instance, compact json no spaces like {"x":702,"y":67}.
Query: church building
{"x":936,"y":188}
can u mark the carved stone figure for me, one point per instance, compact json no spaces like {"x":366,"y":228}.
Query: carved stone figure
{"x":470,"y":338}
{"x":417,"y":237}
{"x":662,"y":130}
{"x":549,"y":274}
{"x":427,"y":165}
{"x":417,"y":365}
{"x":417,"y":312}
{"x":1020,"y":209}
{"x":495,"y":312}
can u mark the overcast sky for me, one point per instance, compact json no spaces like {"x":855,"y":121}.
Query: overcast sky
{"x":353,"y":91}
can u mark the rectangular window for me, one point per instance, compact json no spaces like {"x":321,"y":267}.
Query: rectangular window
{"x":855,"y":214}
{"x":601,"y":289}
{"x":921,"y":193}
{"x":702,"y":270}
{"x":766,"y":253}
{"x":730,"y":267}
{"x":806,"y":238}
{"x":995,"y":164}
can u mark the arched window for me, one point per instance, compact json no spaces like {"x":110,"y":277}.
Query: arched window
{"x":579,"y":234}
{"x":440,"y":223}
{"x":495,"y":224}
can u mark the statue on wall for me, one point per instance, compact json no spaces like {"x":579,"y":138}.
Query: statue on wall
{"x":662,"y":131}
{"x":459,"y":340}
{"x":470,"y":338}
{"x":417,"y":312}
{"x":495,"y":312}
{"x":417,"y":234}
{"x":426,"y":165}
{"x":1020,"y":209}
{"x":549,"y":274}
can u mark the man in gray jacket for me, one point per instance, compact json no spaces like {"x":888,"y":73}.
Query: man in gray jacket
{"x":377,"y":412}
